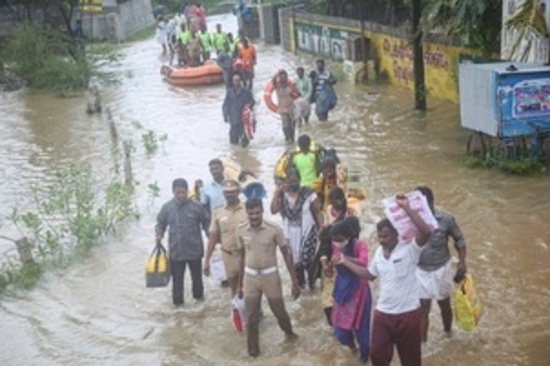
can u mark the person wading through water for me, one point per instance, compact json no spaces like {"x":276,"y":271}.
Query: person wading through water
{"x":236,"y":98}
{"x":286,"y":94}
{"x":259,"y":274}
{"x":324,"y":95}
{"x":185,"y":218}
{"x":223,"y":229}
{"x":302,"y":220}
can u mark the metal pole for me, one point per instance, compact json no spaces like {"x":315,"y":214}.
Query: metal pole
{"x":294,"y":28}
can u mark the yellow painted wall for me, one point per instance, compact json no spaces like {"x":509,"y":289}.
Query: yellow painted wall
{"x":394,"y":55}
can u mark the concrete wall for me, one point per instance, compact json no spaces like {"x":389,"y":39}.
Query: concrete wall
{"x":389,"y":48}
{"x":250,"y":29}
{"x":116,"y":23}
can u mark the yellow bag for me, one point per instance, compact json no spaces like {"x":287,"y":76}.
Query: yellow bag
{"x":157,"y":271}
{"x":467,"y":305}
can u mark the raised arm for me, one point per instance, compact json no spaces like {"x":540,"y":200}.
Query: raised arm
{"x":423,"y":229}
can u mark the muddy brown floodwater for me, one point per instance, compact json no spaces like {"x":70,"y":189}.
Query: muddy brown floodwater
{"x":98,"y":312}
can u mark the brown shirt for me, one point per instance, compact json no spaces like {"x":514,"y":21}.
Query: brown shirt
{"x":225,"y":222}
{"x":261,"y":244}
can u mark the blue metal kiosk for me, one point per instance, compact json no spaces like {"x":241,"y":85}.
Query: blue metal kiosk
{"x":508,"y":101}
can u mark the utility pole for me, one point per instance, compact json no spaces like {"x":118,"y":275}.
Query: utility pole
{"x":418,"y":57}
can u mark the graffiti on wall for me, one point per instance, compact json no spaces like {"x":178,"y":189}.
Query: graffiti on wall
{"x":401,"y":53}
{"x":321,"y":40}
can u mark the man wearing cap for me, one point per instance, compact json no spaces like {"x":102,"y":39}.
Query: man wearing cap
{"x":184,"y":218}
{"x":258,"y":240}
{"x":223,"y":229}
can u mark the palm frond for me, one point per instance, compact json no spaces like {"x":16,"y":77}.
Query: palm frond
{"x":530,"y":18}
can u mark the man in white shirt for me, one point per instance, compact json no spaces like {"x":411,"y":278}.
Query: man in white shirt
{"x":397,"y":315}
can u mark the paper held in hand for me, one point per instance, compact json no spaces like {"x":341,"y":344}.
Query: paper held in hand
{"x":217,"y":269}
{"x":401,"y":220}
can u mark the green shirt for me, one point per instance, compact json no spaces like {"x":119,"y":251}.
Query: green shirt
{"x":305,"y":163}
{"x":304,"y":86}
{"x":219,"y":40}
{"x":184,"y":36}
{"x":206,"y":41}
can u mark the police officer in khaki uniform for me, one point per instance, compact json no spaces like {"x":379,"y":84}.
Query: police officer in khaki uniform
{"x":260,"y":275}
{"x":223,"y":229}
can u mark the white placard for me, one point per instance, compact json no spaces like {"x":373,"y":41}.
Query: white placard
{"x":400,"y":219}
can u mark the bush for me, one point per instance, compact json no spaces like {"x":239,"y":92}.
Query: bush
{"x":47,"y":59}
{"x":71,"y":216}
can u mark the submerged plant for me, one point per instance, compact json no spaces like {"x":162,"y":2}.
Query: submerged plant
{"x":70,"y":217}
{"x":151,"y":142}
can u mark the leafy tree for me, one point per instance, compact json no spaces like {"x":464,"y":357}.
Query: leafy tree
{"x":475,"y":23}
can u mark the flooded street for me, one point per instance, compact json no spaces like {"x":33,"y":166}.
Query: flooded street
{"x":98,"y":312}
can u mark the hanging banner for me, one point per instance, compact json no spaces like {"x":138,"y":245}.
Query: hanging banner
{"x":91,"y":6}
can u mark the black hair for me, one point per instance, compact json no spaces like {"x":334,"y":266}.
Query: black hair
{"x":336,"y":193}
{"x":304,"y":142}
{"x":179,"y":183}
{"x":385,"y":223}
{"x":342,"y":228}
{"x":328,"y":162}
{"x":215,"y":162}
{"x":291,"y":169}
{"x":427,"y":192}
{"x":254,"y":202}
{"x":300,"y":69}
{"x":354,"y":224}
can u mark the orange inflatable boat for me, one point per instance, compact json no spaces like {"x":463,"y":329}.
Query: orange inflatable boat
{"x":207,"y":74}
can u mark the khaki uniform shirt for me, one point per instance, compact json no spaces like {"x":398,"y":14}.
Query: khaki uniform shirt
{"x":261,"y":244}
{"x":225,"y":223}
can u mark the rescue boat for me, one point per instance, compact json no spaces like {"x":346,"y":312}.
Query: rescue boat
{"x":206,"y":74}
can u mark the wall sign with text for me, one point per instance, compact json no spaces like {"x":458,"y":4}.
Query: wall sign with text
{"x":321,"y":40}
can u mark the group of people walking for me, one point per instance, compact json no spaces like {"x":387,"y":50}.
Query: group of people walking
{"x":294,"y":97}
{"x":320,"y":238}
